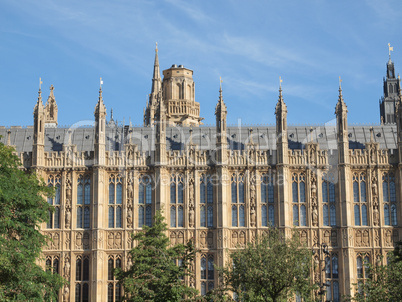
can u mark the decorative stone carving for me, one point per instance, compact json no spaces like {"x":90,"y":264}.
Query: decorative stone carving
{"x":129,"y":216}
{"x":203,"y":239}
{"x":388,"y":238}
{"x":67,"y":241}
{"x":377,"y":237}
{"x":303,"y":237}
{"x":358,"y":238}
{"x":56,"y":241}
{"x":326,"y":237}
{"x":252,"y":202}
{"x":68,"y":218}
{"x":315,"y":238}
{"x":67,"y":268}
{"x":66,"y":293}
{"x":86,"y":240}
{"x":118,"y":241}
{"x":234,"y":238}
{"x":180,"y":238}
{"x":314,"y":203}
{"x":242,"y":239}
{"x":334,"y":238}
{"x":78,"y":240}
{"x":376,"y":216}
{"x":191,"y":204}
{"x":210,"y":240}
{"x":130,"y":193}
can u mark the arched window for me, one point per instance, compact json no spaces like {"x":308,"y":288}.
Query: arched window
{"x":299,"y":199}
{"x":145,"y":201}
{"x":82,"y":279}
{"x":359,"y":198}
{"x":84,"y":201}
{"x":206,"y":197}
{"x":328,"y":200}
{"x":267,"y":200}
{"x":238,"y":213}
{"x":114,"y":289}
{"x":115,"y":201}
{"x":54,"y":217}
{"x":389,"y":199}
{"x":207,"y":272}
{"x":176,"y":201}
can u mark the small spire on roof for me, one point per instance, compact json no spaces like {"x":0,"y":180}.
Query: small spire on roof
{"x":371,"y":134}
{"x":111,"y":114}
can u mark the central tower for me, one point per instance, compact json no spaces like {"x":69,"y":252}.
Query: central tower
{"x":179,"y":97}
{"x":177,"y":93}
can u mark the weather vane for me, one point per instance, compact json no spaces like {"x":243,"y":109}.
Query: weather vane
{"x":390,"y":48}
{"x":280,"y":82}
{"x":340,"y":81}
{"x":40,"y":83}
{"x":100,"y":83}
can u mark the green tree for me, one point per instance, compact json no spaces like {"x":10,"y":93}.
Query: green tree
{"x":384,"y":283}
{"x":271,"y":268}
{"x":22,"y":209}
{"x":158,"y":271}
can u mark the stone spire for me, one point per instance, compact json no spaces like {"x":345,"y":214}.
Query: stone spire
{"x":100,"y":130}
{"x":156,"y":79}
{"x":156,"y":93}
{"x":221,"y":132}
{"x":38,"y":147}
{"x":281,"y":112}
{"x":341,"y":111}
{"x":51,"y":109}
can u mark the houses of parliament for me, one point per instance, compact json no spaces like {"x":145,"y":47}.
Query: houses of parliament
{"x":337,"y":185}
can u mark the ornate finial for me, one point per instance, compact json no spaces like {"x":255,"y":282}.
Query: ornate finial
{"x":156,"y":46}
{"x":40,"y":84}
{"x":220,"y":87}
{"x":340,"y":83}
{"x":371,"y":134}
{"x":311,"y":134}
{"x":51,"y":91}
{"x":280,"y":87}
{"x":100,"y":83}
{"x":111,"y":114}
{"x":250,"y":135}
{"x":191,"y":135}
{"x":390,"y":48}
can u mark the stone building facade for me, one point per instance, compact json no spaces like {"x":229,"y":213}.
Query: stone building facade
{"x":221,"y":186}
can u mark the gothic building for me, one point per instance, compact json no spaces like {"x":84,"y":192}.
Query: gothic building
{"x":338,"y":185}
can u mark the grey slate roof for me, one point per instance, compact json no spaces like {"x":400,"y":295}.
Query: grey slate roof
{"x":204,"y":137}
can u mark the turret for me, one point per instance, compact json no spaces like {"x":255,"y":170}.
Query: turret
{"x":51,"y":110}
{"x":38,"y":147}
{"x":341,"y":112}
{"x":221,"y":131}
{"x":391,"y":91}
{"x":100,"y":129}
{"x":160,"y":148}
{"x":281,"y":113}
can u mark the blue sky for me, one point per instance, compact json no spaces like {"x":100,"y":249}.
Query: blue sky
{"x":71,"y":44}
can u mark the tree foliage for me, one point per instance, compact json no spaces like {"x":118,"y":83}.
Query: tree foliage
{"x":384,"y":283}
{"x":270,"y":269}
{"x":22,"y":209}
{"x":158,"y":271}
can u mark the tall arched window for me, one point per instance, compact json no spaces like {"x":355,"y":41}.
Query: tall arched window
{"x":389,"y":199}
{"x":299,"y":199}
{"x":114,"y":290}
{"x":115,"y":201}
{"x":207,"y":273}
{"x":176,"y":201}
{"x":359,"y":198}
{"x":83,"y":201}
{"x":267,"y":201}
{"x":54,"y":217}
{"x":206,"y":201}
{"x":82,"y":268}
{"x":145,"y":201}
{"x":238,"y":204}
{"x":328,"y":200}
